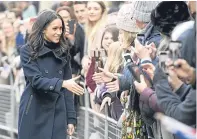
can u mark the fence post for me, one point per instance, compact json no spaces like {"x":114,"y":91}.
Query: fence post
{"x":12,"y":106}
{"x":106,"y":121}
{"x":86,"y":129}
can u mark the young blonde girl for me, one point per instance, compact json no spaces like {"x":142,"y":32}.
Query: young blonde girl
{"x":114,"y":64}
{"x":97,"y":12}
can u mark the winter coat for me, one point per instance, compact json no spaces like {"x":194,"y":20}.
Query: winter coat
{"x":180,"y":105}
{"x":77,"y":49}
{"x":151,"y":34}
{"x":45,"y":107}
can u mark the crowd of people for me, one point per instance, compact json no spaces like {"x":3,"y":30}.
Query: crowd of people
{"x":137,"y":58}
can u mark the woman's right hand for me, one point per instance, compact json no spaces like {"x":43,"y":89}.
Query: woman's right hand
{"x":72,"y":86}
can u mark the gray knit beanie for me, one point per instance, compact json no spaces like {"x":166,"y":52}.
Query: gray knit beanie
{"x":124,"y":19}
{"x":142,"y":10}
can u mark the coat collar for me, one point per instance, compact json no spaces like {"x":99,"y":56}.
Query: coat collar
{"x":44,"y":50}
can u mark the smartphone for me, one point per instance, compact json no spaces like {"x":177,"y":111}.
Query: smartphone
{"x":71,"y":24}
{"x":128,"y":58}
{"x":175,"y":50}
{"x":135,"y":71}
{"x":163,"y":56}
{"x":141,"y":38}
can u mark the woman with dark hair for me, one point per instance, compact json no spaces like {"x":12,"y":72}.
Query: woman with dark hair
{"x":110,"y":35}
{"x":46,"y":106}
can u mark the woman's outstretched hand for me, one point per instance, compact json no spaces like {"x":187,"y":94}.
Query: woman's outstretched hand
{"x":72,"y":86}
{"x":103,"y":76}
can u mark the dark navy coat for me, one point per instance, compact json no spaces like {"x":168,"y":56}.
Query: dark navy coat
{"x":45,"y":108}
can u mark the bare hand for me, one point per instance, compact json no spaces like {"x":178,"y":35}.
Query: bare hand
{"x":173,"y":79}
{"x":140,"y":86}
{"x":140,"y":50}
{"x":67,"y":34}
{"x":183,"y":70}
{"x":149,"y":69}
{"x":103,"y":76}
{"x":113,"y":86}
{"x":71,"y":129}
{"x":105,"y":100}
{"x":72,"y":86}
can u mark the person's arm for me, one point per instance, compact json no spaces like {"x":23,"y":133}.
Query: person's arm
{"x":183,"y":91}
{"x":149,"y":98}
{"x":34,"y":75}
{"x":69,"y":101}
{"x":125,"y":80}
{"x":184,"y":111}
{"x":89,"y":81}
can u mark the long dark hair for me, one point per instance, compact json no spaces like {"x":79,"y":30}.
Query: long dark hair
{"x":36,"y":38}
{"x":113,"y":30}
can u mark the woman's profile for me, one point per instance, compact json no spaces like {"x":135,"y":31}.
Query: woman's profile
{"x":46,"y":107}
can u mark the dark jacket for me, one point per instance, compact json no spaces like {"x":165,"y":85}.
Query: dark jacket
{"x":79,"y":40}
{"x":116,"y":108}
{"x":45,"y":107}
{"x":78,"y":47}
{"x":151,"y":34}
{"x":181,"y":108}
{"x":180,"y":105}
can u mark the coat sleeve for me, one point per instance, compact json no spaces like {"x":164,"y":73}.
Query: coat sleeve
{"x":184,"y":111}
{"x":69,"y":100}
{"x":183,"y":91}
{"x":89,"y":81}
{"x":125,"y":81}
{"x":149,"y":98}
{"x":34,"y":75}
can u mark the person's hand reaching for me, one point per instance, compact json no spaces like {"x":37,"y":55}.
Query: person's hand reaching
{"x":72,"y":86}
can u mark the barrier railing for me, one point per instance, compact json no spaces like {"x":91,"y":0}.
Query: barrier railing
{"x":94,"y":125}
{"x":8,"y":112}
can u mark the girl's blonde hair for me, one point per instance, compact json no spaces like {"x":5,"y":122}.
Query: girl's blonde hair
{"x":128,"y":39}
{"x":10,"y":43}
{"x":92,"y":29}
{"x":114,"y":61}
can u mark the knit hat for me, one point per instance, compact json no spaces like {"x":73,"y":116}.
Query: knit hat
{"x":124,"y":20}
{"x":168,"y":14}
{"x":143,"y":9}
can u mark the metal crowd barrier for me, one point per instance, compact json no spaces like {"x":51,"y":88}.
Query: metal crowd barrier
{"x":93,"y":125}
{"x":8,"y":112}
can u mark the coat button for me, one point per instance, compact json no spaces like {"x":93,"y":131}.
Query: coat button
{"x":46,"y":71}
{"x":60,"y":72}
{"x":51,"y":87}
